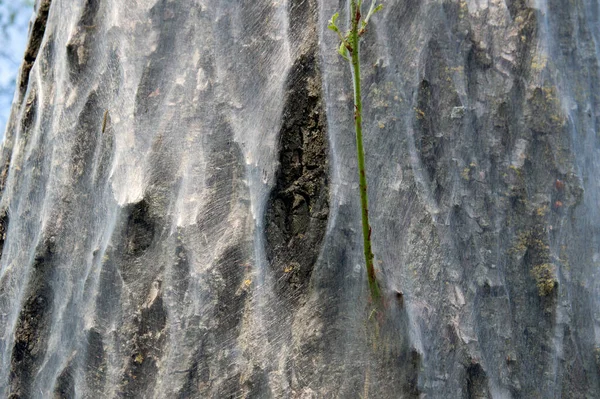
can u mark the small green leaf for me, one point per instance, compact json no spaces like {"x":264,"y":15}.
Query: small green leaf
{"x":343,"y":51}
{"x":332,"y":24}
{"x":372,"y":11}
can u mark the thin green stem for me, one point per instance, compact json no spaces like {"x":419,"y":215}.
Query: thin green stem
{"x":362,"y":174}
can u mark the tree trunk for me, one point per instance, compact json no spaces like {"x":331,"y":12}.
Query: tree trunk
{"x":180,"y":214}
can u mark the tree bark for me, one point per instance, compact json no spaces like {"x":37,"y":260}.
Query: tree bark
{"x":180,"y":216}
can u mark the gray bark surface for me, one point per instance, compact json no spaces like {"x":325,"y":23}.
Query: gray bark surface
{"x":180,"y":218}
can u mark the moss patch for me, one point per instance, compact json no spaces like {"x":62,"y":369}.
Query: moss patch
{"x":545,"y":278}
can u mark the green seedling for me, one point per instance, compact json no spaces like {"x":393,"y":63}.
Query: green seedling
{"x":349,"y":49}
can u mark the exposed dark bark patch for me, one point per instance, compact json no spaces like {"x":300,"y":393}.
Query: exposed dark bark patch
{"x":297,"y":211}
{"x":139,"y":229}
{"x":31,"y":108}
{"x":4,"y":174}
{"x":514,"y":6}
{"x":65,"y":384}
{"x":230,"y":298}
{"x":428,"y":146}
{"x":90,"y":11}
{"x":32,"y":328}
{"x":477,"y":385}
{"x":84,"y":39}
{"x":180,"y":277}
{"x":151,"y":89}
{"x":36,"y":36}
{"x":478,"y":58}
{"x":3,"y":229}
{"x":146,"y":346}
{"x":198,"y":375}
{"x":84,"y":148}
{"x":257,"y":386}
{"x":95,"y":363}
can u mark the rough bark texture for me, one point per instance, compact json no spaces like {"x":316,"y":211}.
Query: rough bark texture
{"x":180,"y":212}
